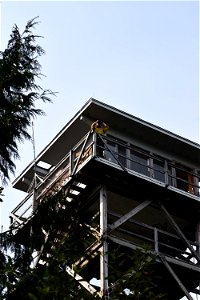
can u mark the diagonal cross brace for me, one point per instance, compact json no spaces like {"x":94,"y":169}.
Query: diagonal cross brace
{"x":180,"y":233}
{"x":130,"y":214}
{"x":90,"y":254}
{"x":83,"y":282}
{"x":112,"y":153}
{"x":41,"y":250}
{"x":82,"y":150}
{"x":171,"y":271}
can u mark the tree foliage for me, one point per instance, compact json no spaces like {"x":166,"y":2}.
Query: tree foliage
{"x":59,"y":231}
{"x":19,"y":91}
{"x":67,"y":228}
{"x":63,"y":223}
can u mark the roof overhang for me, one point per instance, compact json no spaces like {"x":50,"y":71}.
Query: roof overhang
{"x":79,"y":125}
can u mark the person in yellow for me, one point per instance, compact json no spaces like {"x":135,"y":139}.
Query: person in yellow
{"x":99,"y":127}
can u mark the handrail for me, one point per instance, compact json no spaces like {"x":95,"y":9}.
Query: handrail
{"x":163,"y":241}
{"x":22,"y":202}
{"x":167,"y":171}
{"x":52,"y":180}
{"x":65,"y":167}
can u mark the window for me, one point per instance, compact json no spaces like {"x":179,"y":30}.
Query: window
{"x":184,"y":179}
{"x":118,"y":149}
{"x":158,"y":169}
{"x":42,"y":168}
{"x":139,"y":162}
{"x":171,"y":174}
{"x":151,"y":165}
{"x":122,"y":155}
{"x":108,"y":154}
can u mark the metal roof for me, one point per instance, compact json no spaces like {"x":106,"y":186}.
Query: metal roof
{"x":93,"y":109}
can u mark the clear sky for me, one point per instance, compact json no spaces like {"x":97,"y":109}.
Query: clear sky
{"x":139,"y":56}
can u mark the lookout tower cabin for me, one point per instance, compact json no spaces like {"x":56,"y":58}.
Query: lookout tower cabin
{"x":141,"y":185}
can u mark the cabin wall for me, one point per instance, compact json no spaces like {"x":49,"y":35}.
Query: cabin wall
{"x":152,"y":147}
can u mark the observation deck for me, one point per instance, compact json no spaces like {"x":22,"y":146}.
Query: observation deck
{"x":152,"y":180}
{"x":130,"y":163}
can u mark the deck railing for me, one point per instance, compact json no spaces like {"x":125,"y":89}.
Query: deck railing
{"x":160,"y":240}
{"x":117,"y":152}
{"x":171,"y":173}
{"x":54,"y":180}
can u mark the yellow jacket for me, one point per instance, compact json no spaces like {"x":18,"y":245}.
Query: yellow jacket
{"x":100,"y":128}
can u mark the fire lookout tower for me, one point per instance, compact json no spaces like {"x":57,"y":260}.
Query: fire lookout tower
{"x":144,"y":188}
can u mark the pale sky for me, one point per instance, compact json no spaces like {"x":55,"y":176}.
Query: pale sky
{"x":139,"y":56}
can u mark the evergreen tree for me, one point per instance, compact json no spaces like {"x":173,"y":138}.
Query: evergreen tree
{"x":56,"y":224}
{"x":19,"y":71}
{"x":67,"y":228}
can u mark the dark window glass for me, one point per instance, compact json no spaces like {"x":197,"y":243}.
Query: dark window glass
{"x":118,"y":148}
{"x":184,"y":179}
{"x":100,"y":146}
{"x":108,"y":154}
{"x":122,"y":155}
{"x":170,"y":175}
{"x":139,"y":162}
{"x":158,"y":168}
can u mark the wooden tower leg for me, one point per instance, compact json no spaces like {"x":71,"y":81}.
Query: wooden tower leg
{"x":198,"y":242}
{"x":104,"y":248}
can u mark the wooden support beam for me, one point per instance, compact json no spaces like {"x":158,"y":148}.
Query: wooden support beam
{"x":130,"y":214}
{"x":170,"y":259}
{"x":182,"y":263}
{"x":156,"y":239}
{"x":198,"y":237}
{"x":123,"y":242}
{"x":81,"y":281}
{"x":37,"y":259}
{"x":112,"y":153}
{"x":171,"y":271}
{"x":104,"y":248}
{"x":16,"y":218}
{"x":82,"y":150}
{"x":90,"y":253}
{"x":198,"y":244}
{"x":180,"y":233}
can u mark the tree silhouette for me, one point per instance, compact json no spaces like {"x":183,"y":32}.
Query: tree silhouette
{"x":19,"y":70}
